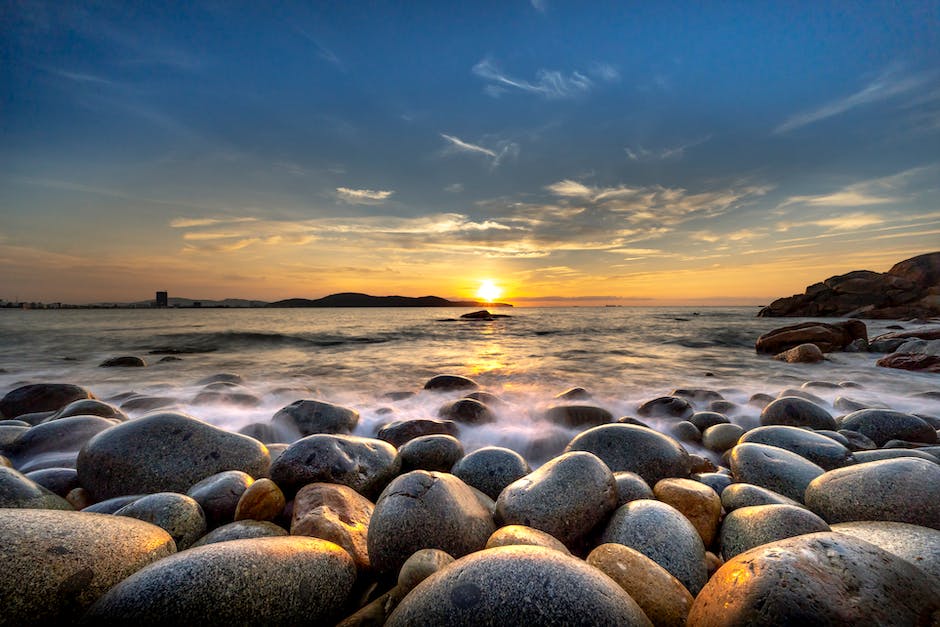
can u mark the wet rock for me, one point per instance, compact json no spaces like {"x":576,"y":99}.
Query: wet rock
{"x":241,"y":530}
{"x":290,"y":580}
{"x":468,"y":411}
{"x":877,"y":455}
{"x":398,"y":432}
{"x":822,"y":578}
{"x":177,"y":514}
{"x":487,"y":398}
{"x":148,"y":403}
{"x":827,"y":337}
{"x":9,"y":435}
{"x":90,"y":407}
{"x":881,"y":425}
{"x":218,"y":495}
{"x":631,"y":487}
{"x":426,"y":510}
{"x":857,"y":441}
{"x":695,"y":395}
{"x":720,"y":438}
{"x":164,"y":452}
{"x":918,"y":545}
{"x":448,"y":382}
{"x":124,"y":361}
{"x":40,"y":397}
{"x":227,"y":394}
{"x":110,"y":506}
{"x":311,"y":417}
{"x":574,"y":394}
{"x":490,"y":469}
{"x":59,"y":481}
{"x":222,"y":377}
{"x":514,"y":535}
{"x":801,"y":393}
{"x":794,"y":411}
{"x":34,"y":418}
{"x":819,"y":449}
{"x":685,"y":431}
{"x":648,"y":453}
{"x":705,"y":419}
{"x":666,"y":407}
{"x":567,"y":497}
{"x":843,"y":403}
{"x":898,"y":490}
{"x":364,"y":464}
{"x":430,"y":452}
{"x":267,"y":433}
{"x":714,"y":480}
{"x":724,"y":407}
{"x":55,"y":444}
{"x":738,"y":495}
{"x":547,"y":443}
{"x":19,"y":492}
{"x":56,"y":564}
{"x":748,"y":527}
{"x":662,"y":597}
{"x":801,"y":354}
{"x":421,"y":565}
{"x":578,"y":415}
{"x":773,"y":468}
{"x":336,"y":513}
{"x":760,"y":400}
{"x":262,"y":500}
{"x":697,"y":502}
{"x":518,"y":585}
{"x":79,"y":498}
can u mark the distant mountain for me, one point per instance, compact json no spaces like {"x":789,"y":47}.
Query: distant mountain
{"x":352,"y":299}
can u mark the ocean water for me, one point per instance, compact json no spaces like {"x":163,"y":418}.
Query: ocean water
{"x":622,"y":355}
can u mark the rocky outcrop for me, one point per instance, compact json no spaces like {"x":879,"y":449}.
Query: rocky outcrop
{"x":828,"y":337}
{"x":910,"y":289}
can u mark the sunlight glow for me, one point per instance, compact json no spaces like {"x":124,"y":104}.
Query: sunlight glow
{"x":488,"y":291}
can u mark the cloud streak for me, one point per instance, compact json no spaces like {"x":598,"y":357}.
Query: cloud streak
{"x":504,"y":149}
{"x":363,"y":196}
{"x":548,"y":84}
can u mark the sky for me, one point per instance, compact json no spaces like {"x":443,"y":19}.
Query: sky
{"x":570,"y":152}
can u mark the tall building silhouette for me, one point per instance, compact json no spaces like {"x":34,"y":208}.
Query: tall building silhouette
{"x":162,"y":300}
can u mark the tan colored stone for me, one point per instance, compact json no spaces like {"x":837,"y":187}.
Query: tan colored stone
{"x":79,"y":498}
{"x":262,"y":500}
{"x":5,"y":462}
{"x":422,"y":565}
{"x":337,"y":513}
{"x":712,"y":562}
{"x":802,"y":354}
{"x":697,"y":502}
{"x":663,"y":598}
{"x":520,"y":534}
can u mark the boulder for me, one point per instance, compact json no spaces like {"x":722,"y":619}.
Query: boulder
{"x":218,"y":495}
{"x":398,"y":432}
{"x":578,"y":416}
{"x":468,"y":411}
{"x":646,"y":452}
{"x":898,"y":490}
{"x":40,"y":397}
{"x":336,"y":513}
{"x":56,"y":564}
{"x":241,"y":530}
{"x":827,"y":337}
{"x":573,"y":394}
{"x":177,"y":514}
{"x":518,"y":585}
{"x":490,"y":469}
{"x":449,"y":382}
{"x":820,"y":579}
{"x":797,"y":412}
{"x":881,"y":425}
{"x":364,"y":464}
{"x":430,"y":452}
{"x":817,"y":448}
{"x":696,"y":501}
{"x":55,"y":444}
{"x":286,"y":580}
{"x":918,"y":545}
{"x":164,"y":452}
{"x":514,"y":535}
{"x":773,"y":468}
{"x":747,"y":527}
{"x":310,"y":417}
{"x":566,"y":498}
{"x":19,"y":492}
{"x":801,"y":354}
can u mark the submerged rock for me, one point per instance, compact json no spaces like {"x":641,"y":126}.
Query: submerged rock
{"x":578,"y":415}
{"x":40,"y":397}
{"x":398,"y":432}
{"x":125,"y":361}
{"x":310,"y":417}
{"x":467,"y":410}
{"x":448,"y":382}
{"x":666,"y":407}
{"x":801,"y":354}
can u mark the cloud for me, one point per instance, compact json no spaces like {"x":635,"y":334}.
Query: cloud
{"x":185,"y":223}
{"x":876,"y":191}
{"x":363,"y":196}
{"x":503,"y":150}
{"x":549,"y":84}
{"x":639,"y":153}
{"x":454,"y":188}
{"x":539,"y":5}
{"x":843,"y":222}
{"x":887,"y":85}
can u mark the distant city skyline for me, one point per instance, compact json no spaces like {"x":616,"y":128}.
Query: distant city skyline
{"x":570,"y":153}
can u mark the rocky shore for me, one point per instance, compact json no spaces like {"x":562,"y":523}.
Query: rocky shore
{"x":801,"y":506}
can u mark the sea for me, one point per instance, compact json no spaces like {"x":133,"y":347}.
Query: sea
{"x":355,"y":357}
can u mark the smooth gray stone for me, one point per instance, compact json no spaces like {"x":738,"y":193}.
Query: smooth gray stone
{"x":242,"y":530}
{"x":646,"y":452}
{"x":449,"y":382}
{"x":578,"y":416}
{"x":56,"y":443}
{"x":631,"y":487}
{"x":60,"y":481}
{"x":796,"y":411}
{"x":112,"y":505}
{"x":40,"y":397}
{"x":862,"y":457}
{"x":721,"y":437}
{"x":773,"y":468}
{"x":918,"y":545}
{"x":430,"y":452}
{"x":310,"y":417}
{"x":398,"y":432}
{"x":89,"y":407}
{"x":881,"y":425}
{"x":819,"y":449}
{"x":666,"y":407}
{"x":749,"y":527}
{"x":490,"y":469}
{"x":19,"y":492}
{"x":177,"y":514}
{"x":218,"y":495}
{"x":468,"y":411}
{"x":738,"y":495}
{"x":715,"y":480}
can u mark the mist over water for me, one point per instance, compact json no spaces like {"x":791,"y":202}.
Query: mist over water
{"x":353,"y":357}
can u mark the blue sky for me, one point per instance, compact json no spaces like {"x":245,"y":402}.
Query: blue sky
{"x":601,"y":152}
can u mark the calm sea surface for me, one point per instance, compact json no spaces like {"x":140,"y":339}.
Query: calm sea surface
{"x":623,"y":355}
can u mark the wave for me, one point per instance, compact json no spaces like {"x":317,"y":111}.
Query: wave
{"x":183,"y":343}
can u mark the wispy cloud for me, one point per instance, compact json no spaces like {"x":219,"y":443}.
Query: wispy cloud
{"x":502,"y":150}
{"x":887,"y":85}
{"x":363,"y":196}
{"x":876,"y":191}
{"x":322,"y":51}
{"x":640,"y":153}
{"x":539,"y":5}
{"x":454,"y":188}
{"x":549,"y":84}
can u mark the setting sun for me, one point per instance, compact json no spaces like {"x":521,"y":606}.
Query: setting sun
{"x":488,"y":291}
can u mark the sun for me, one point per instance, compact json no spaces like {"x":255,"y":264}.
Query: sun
{"x":488,"y":291}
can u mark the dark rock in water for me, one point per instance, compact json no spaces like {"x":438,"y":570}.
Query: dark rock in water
{"x":271,"y":581}
{"x":89,"y":407}
{"x":228,"y":395}
{"x":819,"y":449}
{"x":697,"y":395}
{"x":574,"y":394}
{"x":664,"y":535}
{"x":56,"y":564}
{"x":426,"y":510}
{"x":705,"y":419}
{"x":760,"y":400}
{"x":843,"y":403}
{"x":56,"y":443}
{"x":819,"y":579}
{"x":148,"y":403}
{"x":222,"y":377}
{"x":398,"y":396}
{"x":821,"y":385}
{"x":724,"y":407}
{"x":164,"y":452}
{"x":242,"y":530}
{"x":486,"y":398}
{"x":567,"y":497}
{"x":125,"y":361}
{"x":177,"y":514}
{"x":804,"y":354}
{"x":364,"y":464}
{"x":666,"y":407}
{"x":857,"y":441}
{"x":801,"y":393}
{"x":911,"y":361}
{"x":490,"y":469}
{"x":336,"y":513}
{"x":60,"y":481}
{"x":40,"y":397}
{"x":467,"y":410}
{"x":898,"y":490}
{"x":578,"y":415}
{"x":518,"y":585}
{"x":749,"y":527}
{"x":685,"y":431}
{"x":447,"y":382}
{"x":714,"y":480}
{"x":169,"y":358}
{"x":110,"y":506}
{"x":648,"y":453}
{"x":797,"y":412}
{"x":721,"y":437}
{"x":310,"y":417}
{"x":430,"y":452}
{"x":266,"y":432}
{"x":918,"y":545}
{"x":881,"y":425}
{"x":19,"y":492}
{"x":773,"y":468}
{"x":738,"y":495}
{"x":827,"y":337}
{"x":218,"y":495}
{"x":398,"y":432}
{"x":835,"y":435}
{"x":630,"y":420}
{"x":483,"y":314}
